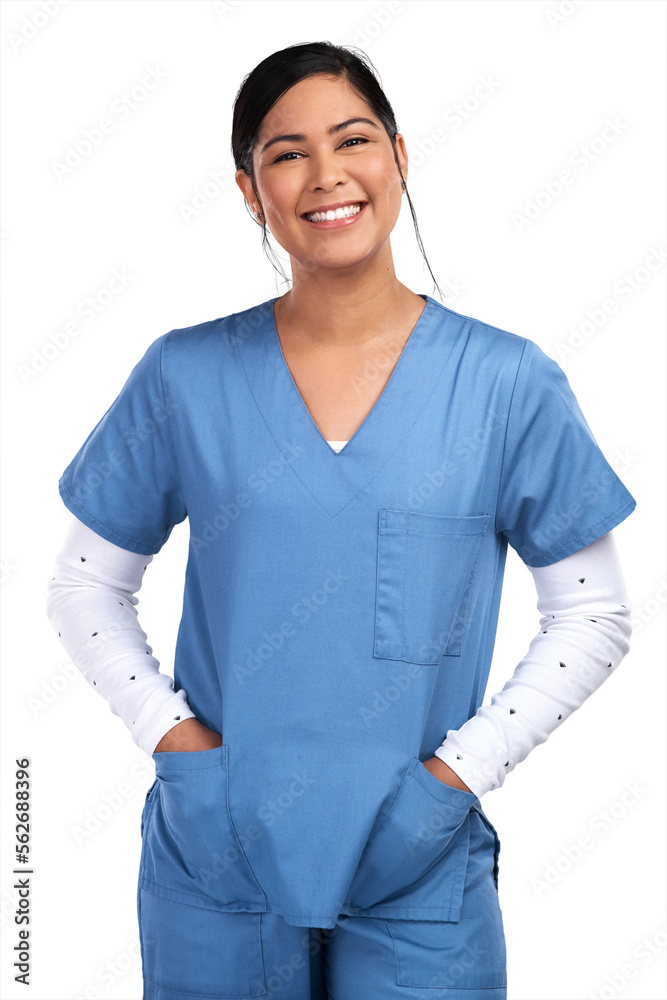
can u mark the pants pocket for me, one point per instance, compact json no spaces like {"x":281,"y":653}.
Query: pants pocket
{"x":195,"y":952}
{"x":493,"y":834}
{"x":147,"y":805}
{"x":426,"y":827}
{"x":461,"y":958}
{"x":468,"y":955}
{"x":190,"y":844}
{"x":425,"y":568}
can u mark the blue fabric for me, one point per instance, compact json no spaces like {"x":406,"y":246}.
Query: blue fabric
{"x":123,"y":482}
{"x":339,"y":609}
{"x":190,"y":951}
{"x":557,"y":491}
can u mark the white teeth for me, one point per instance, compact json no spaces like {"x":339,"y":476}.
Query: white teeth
{"x":340,"y":213}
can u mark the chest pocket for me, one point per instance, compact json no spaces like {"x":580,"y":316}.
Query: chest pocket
{"x":425,"y":569}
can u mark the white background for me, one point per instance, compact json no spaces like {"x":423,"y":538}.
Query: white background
{"x":556,"y":80}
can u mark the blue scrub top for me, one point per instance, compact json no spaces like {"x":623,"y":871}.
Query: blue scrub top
{"x":339,"y":609}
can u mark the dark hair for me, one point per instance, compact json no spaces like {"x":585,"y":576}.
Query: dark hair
{"x":273,"y":76}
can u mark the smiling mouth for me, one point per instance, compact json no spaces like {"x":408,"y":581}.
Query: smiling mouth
{"x":345,"y":212}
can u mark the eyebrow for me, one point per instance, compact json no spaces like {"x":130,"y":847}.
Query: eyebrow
{"x":298,"y":137}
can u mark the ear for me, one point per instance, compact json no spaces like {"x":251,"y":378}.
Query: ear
{"x":402,"y":155}
{"x":244,"y":181}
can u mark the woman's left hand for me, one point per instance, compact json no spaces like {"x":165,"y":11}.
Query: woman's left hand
{"x":445,"y":774}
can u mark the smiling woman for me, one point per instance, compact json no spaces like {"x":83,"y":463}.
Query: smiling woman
{"x":324,"y":161}
{"x":354,"y":459}
{"x":353,"y":157}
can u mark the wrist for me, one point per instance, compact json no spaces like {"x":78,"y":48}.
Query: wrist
{"x":188,"y":735}
{"x":445,"y":774}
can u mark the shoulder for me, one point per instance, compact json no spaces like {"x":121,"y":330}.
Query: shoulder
{"x":229,"y":329}
{"x":490,"y":343}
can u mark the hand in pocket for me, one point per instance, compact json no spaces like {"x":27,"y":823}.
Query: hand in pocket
{"x":444,"y":773}
{"x":417,"y":833}
{"x":189,"y":735}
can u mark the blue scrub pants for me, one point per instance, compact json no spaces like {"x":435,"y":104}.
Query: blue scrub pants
{"x":189,"y":952}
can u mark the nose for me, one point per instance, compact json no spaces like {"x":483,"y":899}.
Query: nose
{"x":326,"y":171}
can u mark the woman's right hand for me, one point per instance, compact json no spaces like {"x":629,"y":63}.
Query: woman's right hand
{"x":189,"y":735}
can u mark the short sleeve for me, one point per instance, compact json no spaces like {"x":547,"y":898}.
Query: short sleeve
{"x":123,"y":483}
{"x":558,"y":493}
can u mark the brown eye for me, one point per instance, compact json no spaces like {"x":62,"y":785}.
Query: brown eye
{"x":284,"y":155}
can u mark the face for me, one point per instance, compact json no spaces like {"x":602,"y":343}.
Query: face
{"x":305,"y":161}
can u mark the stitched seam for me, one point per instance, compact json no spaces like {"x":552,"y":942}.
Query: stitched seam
{"x":463,"y":611}
{"x":213,"y":996}
{"x":206,"y":767}
{"x":451,"y":806}
{"x":166,"y":409}
{"x":507,"y":424}
{"x":110,"y":531}
{"x":386,"y":816}
{"x":629,"y":504}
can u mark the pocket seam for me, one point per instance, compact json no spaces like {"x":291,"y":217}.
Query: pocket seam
{"x":191,"y":753}
{"x":490,"y":828}
{"x":424,"y":784}
{"x":457,"y":519}
{"x":157,"y":971}
{"x":149,"y":803}
{"x":389,"y":811}
{"x":459,"y":860}
{"x":246,"y":874}
{"x":393,"y":637}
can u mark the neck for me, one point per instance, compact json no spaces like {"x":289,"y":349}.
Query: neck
{"x":345,"y":308}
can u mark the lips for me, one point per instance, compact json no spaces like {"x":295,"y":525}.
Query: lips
{"x":332,"y":208}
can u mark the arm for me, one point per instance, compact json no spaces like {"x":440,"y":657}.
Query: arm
{"x":584,"y":634}
{"x":92,"y":607}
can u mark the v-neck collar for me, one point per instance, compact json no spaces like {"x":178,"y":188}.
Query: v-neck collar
{"x":335,"y":478}
{"x":307,"y":413}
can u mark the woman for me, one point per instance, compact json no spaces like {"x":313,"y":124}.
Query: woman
{"x":353,"y":459}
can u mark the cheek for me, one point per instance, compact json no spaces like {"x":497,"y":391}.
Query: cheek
{"x":382,"y":182}
{"x":280,"y":199}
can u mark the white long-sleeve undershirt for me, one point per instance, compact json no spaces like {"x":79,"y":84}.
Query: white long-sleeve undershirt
{"x":584,"y":634}
{"x":92,"y":606}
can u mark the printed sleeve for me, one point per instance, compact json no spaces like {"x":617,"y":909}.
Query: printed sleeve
{"x":558,"y":493}
{"x":585,"y":629}
{"x":123,"y":483}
